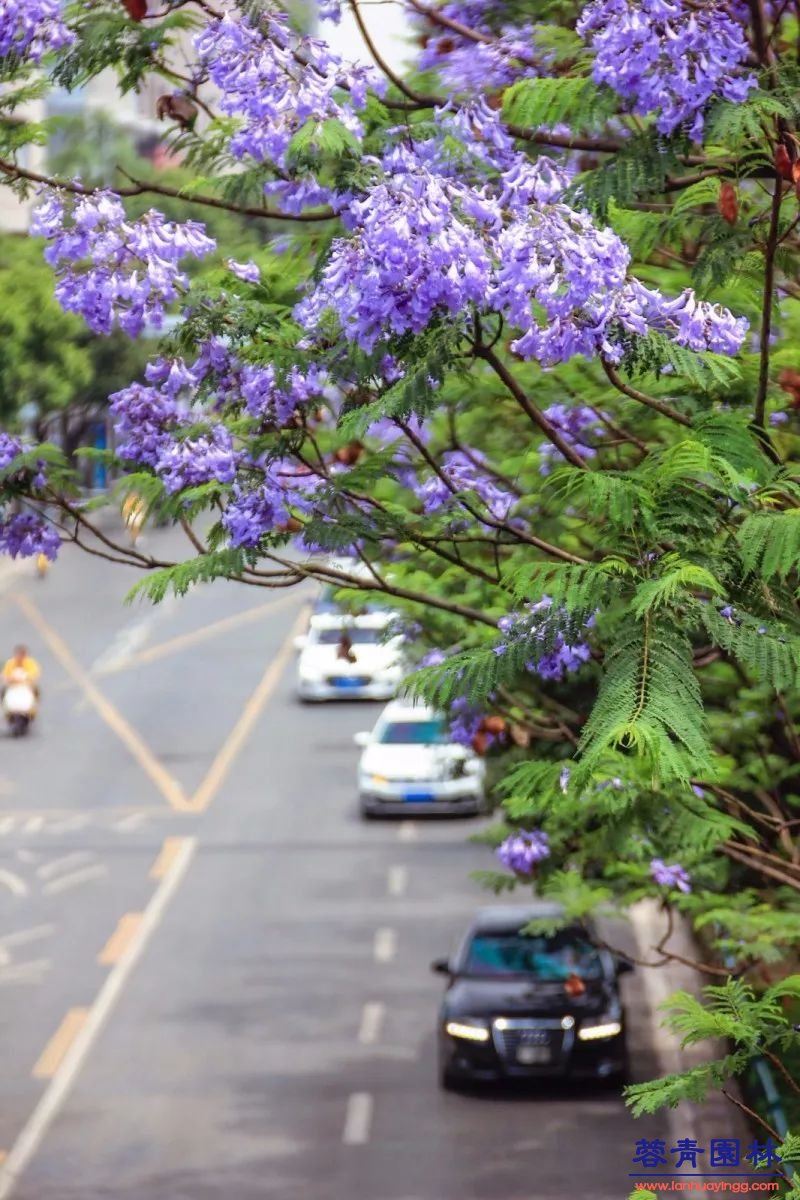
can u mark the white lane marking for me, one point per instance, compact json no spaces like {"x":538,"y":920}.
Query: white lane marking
{"x":371,"y":1022}
{"x":385,"y":945}
{"x":132,"y":821}
{"x":59,"y":864}
{"x":6,"y":825}
{"x":59,"y":1087}
{"x":25,"y":935}
{"x":407,"y":831}
{"x":68,"y":824}
{"x":17,"y":886}
{"x":33,"y":825}
{"x":98,"y":871}
{"x":29,"y":972}
{"x":131,"y":638}
{"x":357,"y":1122}
{"x":397,"y":880}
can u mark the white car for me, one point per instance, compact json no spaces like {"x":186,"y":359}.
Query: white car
{"x":410,"y":766}
{"x":350,"y":658}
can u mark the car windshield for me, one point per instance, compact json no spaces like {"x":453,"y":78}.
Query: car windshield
{"x":413,"y":733}
{"x":545,"y":958}
{"x":355,"y":635}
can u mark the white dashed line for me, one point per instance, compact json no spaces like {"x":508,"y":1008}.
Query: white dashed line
{"x":77,"y":877}
{"x":79,"y":858}
{"x":385,"y":945}
{"x":17,"y":886}
{"x":397,"y":880}
{"x":26,"y":935}
{"x":407,"y":831}
{"x":358,"y":1120}
{"x":371,"y":1021}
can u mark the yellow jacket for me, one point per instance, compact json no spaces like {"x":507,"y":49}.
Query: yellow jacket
{"x":28,"y":665}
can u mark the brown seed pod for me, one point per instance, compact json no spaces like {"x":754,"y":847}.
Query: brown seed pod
{"x":728,"y":203}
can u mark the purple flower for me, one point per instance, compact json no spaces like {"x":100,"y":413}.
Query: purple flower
{"x":32,"y":28}
{"x":25,"y":534}
{"x":668,"y":56}
{"x":464,"y":473}
{"x":521,"y":852}
{"x":10,"y":447}
{"x":248,"y":271}
{"x":778,"y":418}
{"x":275,"y":82}
{"x":207,"y":458}
{"x":110,"y":268}
{"x":433,"y":658}
{"x":698,"y":791}
{"x":576,"y":423}
{"x":670,"y":876}
{"x":563,"y":779}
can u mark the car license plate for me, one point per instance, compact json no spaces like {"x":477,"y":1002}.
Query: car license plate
{"x":418,"y":797}
{"x":532,"y":1055}
{"x":353,"y":681}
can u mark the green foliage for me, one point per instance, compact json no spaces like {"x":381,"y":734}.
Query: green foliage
{"x":42,"y":359}
{"x":649,"y":704}
{"x":543,"y":103}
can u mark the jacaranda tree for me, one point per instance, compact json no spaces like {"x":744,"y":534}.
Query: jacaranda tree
{"x":523,"y":339}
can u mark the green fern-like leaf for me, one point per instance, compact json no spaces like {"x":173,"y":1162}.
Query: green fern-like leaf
{"x":770,"y":543}
{"x":649,"y":704}
{"x":542,"y":103}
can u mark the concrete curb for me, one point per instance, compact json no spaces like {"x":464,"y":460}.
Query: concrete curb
{"x":717,"y":1117}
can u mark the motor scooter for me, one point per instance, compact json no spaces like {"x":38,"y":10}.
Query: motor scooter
{"x":19,"y":704}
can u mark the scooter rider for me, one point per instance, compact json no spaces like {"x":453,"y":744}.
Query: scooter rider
{"x":21,"y":662}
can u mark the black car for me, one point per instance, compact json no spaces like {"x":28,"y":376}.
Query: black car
{"x":525,"y":1006}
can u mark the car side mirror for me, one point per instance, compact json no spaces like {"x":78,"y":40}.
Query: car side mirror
{"x":441,"y":966}
{"x":623,"y":967}
{"x":362,"y":739}
{"x":301,"y":642}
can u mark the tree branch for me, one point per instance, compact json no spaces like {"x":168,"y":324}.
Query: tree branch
{"x":766,"y":306}
{"x":642,"y":397}
{"x":142,"y":188}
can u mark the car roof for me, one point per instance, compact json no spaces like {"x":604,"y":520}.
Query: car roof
{"x":508,"y":918}
{"x":408,"y":710}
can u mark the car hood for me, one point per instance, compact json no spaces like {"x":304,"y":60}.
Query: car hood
{"x":323,"y":660}
{"x":523,"y":997}
{"x":412,"y":762}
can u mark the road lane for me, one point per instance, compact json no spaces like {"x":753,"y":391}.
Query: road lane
{"x":290,"y":973}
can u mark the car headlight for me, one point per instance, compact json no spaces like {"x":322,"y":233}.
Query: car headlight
{"x":606,"y":1026}
{"x":470,"y":1029}
{"x":378,"y":780}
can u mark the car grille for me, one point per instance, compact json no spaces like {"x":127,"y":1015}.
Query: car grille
{"x":512,"y":1035}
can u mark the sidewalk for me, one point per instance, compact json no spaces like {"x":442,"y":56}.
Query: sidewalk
{"x":717,"y":1117}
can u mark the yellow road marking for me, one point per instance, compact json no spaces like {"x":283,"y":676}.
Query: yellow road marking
{"x":167,"y":786}
{"x":55,"y":1050}
{"x":170,"y":850}
{"x":117,"y":944}
{"x":195,"y":636}
{"x":249,"y":715}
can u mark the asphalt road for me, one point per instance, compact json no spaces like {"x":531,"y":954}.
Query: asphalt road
{"x":214,"y":977}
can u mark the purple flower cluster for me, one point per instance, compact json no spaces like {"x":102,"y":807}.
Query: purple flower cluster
{"x":531,"y":624}
{"x":671,"y":57}
{"x":207,"y":458}
{"x":110,"y":268}
{"x":10,"y":447}
{"x":426,"y":245}
{"x":412,"y":258}
{"x":522,"y":852}
{"x":275,"y":82}
{"x":25,"y":534}
{"x":466,"y":474}
{"x":268,"y":501}
{"x":466,"y":65}
{"x":32,"y":28}
{"x":465,"y":722}
{"x":576,"y":423}
{"x":670,"y":876}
